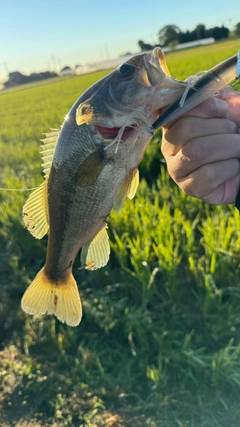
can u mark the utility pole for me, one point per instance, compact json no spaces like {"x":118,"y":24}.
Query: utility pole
{"x":54,"y":62}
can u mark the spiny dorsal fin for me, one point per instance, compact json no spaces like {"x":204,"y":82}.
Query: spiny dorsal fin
{"x":48,"y":150}
{"x":96,"y":253}
{"x":35,"y":211}
{"x":127,"y":189}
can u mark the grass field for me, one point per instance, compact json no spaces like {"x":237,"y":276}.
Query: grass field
{"x":159,"y":343}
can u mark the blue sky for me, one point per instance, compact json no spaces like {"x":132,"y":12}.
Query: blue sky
{"x":38,"y":35}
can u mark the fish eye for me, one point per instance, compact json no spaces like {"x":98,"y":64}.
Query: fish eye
{"x":127,"y":70}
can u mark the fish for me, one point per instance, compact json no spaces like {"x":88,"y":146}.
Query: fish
{"x":209,"y":84}
{"x":90,"y":166}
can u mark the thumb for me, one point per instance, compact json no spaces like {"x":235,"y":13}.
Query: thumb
{"x":212,"y":107}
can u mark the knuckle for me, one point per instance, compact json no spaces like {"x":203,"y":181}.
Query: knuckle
{"x":189,"y":187}
{"x":212,"y":105}
{"x":172,"y":172}
{"x":208,"y":172}
{"x":183,"y":127}
{"x":231,"y":127}
{"x":179,"y":131}
{"x":192,"y":152}
{"x":164,"y":146}
{"x":200,"y":182}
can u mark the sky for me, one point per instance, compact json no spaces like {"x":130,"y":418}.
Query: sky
{"x":40,"y":35}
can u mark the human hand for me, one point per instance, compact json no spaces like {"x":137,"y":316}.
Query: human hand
{"x":202,"y":149}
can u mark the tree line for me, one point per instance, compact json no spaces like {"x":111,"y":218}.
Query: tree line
{"x":171,"y":35}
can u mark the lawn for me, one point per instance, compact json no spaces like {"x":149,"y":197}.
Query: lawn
{"x":159,"y":343}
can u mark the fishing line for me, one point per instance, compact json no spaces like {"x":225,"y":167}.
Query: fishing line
{"x":18,"y":189}
{"x":191,"y":81}
{"x":194,"y":79}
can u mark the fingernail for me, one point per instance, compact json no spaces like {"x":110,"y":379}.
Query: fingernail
{"x":220,"y":105}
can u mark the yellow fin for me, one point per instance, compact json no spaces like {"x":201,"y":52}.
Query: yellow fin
{"x":59,"y":298}
{"x":48,"y":150}
{"x":127,"y":189}
{"x":35,"y":211}
{"x":96,"y":253}
{"x":134,"y":184}
{"x":163,"y":62}
{"x":90,"y":169}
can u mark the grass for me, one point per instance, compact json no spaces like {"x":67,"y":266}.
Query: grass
{"x":159,"y":344}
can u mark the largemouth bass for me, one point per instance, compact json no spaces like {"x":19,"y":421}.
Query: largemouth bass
{"x":91,"y":166}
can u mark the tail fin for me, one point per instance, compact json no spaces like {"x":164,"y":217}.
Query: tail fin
{"x":61,"y":299}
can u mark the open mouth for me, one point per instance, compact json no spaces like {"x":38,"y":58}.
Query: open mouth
{"x":112,"y":133}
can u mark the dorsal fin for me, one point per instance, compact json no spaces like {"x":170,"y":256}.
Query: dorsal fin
{"x":35,"y":211}
{"x":95,"y":254}
{"x":48,"y":150}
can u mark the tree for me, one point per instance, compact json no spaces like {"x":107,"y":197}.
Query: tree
{"x":169,"y":35}
{"x":237,"y":30}
{"x":218,"y":32}
{"x":200,"y":31}
{"x":187,"y":37}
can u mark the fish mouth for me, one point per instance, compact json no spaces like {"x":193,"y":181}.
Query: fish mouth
{"x":113,"y":132}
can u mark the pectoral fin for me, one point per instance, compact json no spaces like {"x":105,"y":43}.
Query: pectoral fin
{"x":90,"y":169}
{"x":96,"y":253}
{"x":127,"y":189}
{"x":35,"y":211}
